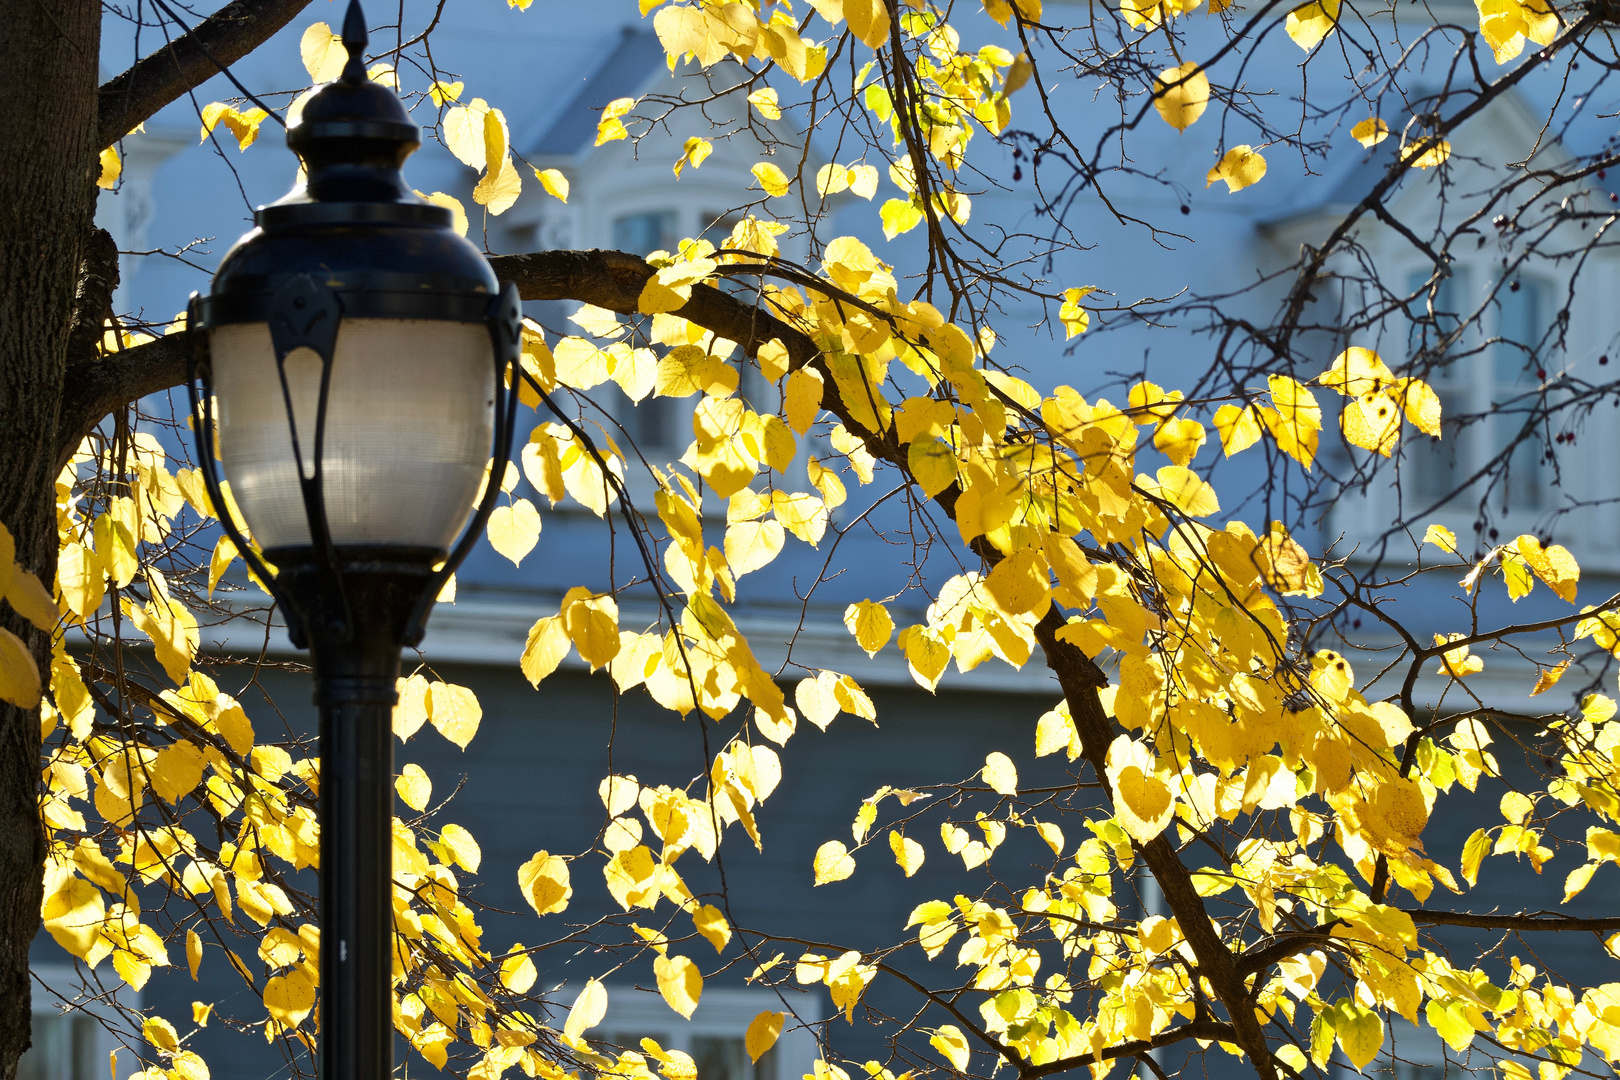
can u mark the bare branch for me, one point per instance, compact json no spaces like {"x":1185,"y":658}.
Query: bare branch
{"x":188,"y":61}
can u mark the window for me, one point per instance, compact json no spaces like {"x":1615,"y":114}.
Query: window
{"x":65,"y":1048}
{"x":654,"y":425}
{"x":1497,"y":387}
{"x":714,"y":1035}
{"x":74,"y":1045}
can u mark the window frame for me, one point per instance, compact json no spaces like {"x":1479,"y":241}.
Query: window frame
{"x":723,"y":1012}
{"x":56,"y":985}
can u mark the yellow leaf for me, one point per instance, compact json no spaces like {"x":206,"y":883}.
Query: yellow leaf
{"x":19,"y":675}
{"x":763,"y":1031}
{"x":1421,"y":405}
{"x":82,"y":576}
{"x":953,"y":1046}
{"x":680,"y":982}
{"x":1442,"y":538}
{"x":1179,"y":439}
{"x":544,"y":882}
{"x":548,"y":643}
{"x":411,"y":711}
{"x":869,"y":19}
{"x":695,"y":151}
{"x":194,"y":952}
{"x":290,"y":997}
{"x":413,"y":786}
{"x":1297,"y":422}
{"x":907,"y":853}
{"x":454,"y":711}
{"x":1238,"y":427}
{"x":514,"y":530}
{"x":442,"y":92}
{"x":1370,"y":132}
{"x":555,"y":183}
{"x":1000,"y":773}
{"x":1360,"y":1032}
{"x":1143,"y":803}
{"x":1553,"y":565}
{"x":711,"y":923}
{"x":751,"y":545}
{"x":112,"y":167}
{"x":833,"y":862}
{"x":518,"y":972}
{"x":870,"y":623}
{"x":499,"y":188}
{"x":200,"y":1013}
{"x":772,"y":180}
{"x":592,"y":622}
{"x":933,"y":464}
{"x":589,"y":1007}
{"x":801,"y":399}
{"x":764,"y":100}
{"x":1240,"y":167}
{"x":461,"y":847}
{"x":464,"y":133}
{"x":244,"y":127}
{"x":161,"y":1034}
{"x":1187,"y":491}
{"x":610,"y":128}
{"x":1475,"y":849}
{"x":323,"y":53}
{"x":176,"y":771}
{"x":1426,"y":152}
{"x":1181,"y":94}
{"x":900,"y":216}
{"x":1547,"y":678}
{"x":458,"y":213}
{"x":1309,"y":23}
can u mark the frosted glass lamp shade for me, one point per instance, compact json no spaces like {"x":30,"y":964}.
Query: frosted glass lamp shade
{"x":409,"y":420}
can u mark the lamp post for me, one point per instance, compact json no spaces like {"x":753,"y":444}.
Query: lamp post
{"x":351,"y":375}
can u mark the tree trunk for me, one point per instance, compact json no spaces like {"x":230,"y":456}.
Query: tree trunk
{"x":48,"y":166}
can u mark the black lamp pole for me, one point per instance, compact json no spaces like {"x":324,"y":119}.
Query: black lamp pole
{"x":344,"y":285}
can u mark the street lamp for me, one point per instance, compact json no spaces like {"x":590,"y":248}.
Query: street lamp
{"x":351,"y":374}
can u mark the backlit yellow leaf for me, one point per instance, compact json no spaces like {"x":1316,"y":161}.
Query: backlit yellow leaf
{"x":454,"y":711}
{"x":413,"y":786}
{"x":323,"y":53}
{"x":751,"y":545}
{"x":290,"y":997}
{"x":680,"y":982}
{"x":1370,"y":132}
{"x":953,"y":1046}
{"x":514,"y":530}
{"x":772,"y":180}
{"x":1181,"y":94}
{"x":833,"y":862}
{"x":870,"y":623}
{"x":590,"y":1006}
{"x":1309,"y":23}
{"x":518,"y":972}
{"x":907,"y":852}
{"x":1240,"y":167}
{"x":711,"y":923}
{"x":763,"y":1031}
{"x":19,"y":676}
{"x":555,"y":183}
{"x":1000,"y":774}
{"x":545,"y":884}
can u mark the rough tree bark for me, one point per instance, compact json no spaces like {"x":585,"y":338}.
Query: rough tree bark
{"x":48,"y":166}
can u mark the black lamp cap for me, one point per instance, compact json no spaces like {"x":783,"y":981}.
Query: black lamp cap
{"x":352,"y":106}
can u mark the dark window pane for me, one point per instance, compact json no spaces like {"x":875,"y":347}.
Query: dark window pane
{"x":640,"y":234}
{"x":720,"y":1058}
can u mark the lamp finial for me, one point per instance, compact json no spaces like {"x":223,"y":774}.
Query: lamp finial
{"x":354,"y":40}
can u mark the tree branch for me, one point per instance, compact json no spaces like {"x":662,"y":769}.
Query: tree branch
{"x":188,"y":61}
{"x":1522,"y":921}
